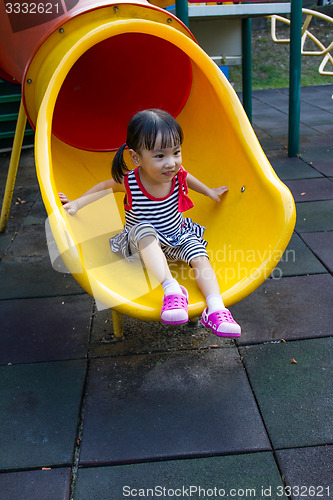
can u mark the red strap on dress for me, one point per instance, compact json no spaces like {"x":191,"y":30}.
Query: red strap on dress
{"x":184,"y":201}
{"x":128,"y":195}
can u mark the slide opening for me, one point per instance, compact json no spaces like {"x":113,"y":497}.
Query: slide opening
{"x":113,"y":80}
{"x":102,"y":89}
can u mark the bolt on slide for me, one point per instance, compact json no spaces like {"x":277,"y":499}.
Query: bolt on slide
{"x":84,"y":73}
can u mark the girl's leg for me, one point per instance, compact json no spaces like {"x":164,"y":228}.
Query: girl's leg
{"x":205,"y":277}
{"x":154,"y":259}
{"x":144,"y":239}
{"x":174,"y":309}
{"x":216,"y":316}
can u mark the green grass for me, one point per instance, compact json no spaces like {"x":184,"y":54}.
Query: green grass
{"x":270,"y":61}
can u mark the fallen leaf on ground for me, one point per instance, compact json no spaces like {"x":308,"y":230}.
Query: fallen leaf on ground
{"x":19,"y":201}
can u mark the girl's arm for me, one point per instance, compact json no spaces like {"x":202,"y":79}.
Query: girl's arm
{"x":91,"y":195}
{"x":199,"y":187}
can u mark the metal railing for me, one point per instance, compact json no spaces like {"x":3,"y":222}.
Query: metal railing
{"x":324,"y":51}
{"x":10,"y":98}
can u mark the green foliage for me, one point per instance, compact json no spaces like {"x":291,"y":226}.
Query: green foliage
{"x":270,"y":61}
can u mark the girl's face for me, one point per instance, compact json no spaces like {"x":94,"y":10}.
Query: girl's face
{"x":158,"y":165}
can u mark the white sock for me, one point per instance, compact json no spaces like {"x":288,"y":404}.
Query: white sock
{"x":214,"y":303}
{"x":171,"y":287}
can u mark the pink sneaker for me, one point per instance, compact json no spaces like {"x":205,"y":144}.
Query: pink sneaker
{"x":222,"y":323}
{"x":174,"y":310}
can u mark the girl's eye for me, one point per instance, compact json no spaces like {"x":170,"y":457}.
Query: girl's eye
{"x":177,"y":153}
{"x":159,"y":156}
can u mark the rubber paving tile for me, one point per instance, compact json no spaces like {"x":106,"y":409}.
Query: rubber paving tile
{"x":318,"y":91}
{"x":39,"y":409}
{"x":270,"y":96}
{"x":276,"y":154}
{"x":319,"y":153}
{"x":29,"y":243}
{"x":294,"y":168}
{"x":146,"y":337}
{"x":276,"y":310}
{"x":297,"y":260}
{"x":315,"y":116}
{"x":307,"y":108}
{"x":35,"y":485}
{"x":271,"y":145}
{"x":237,"y":476}
{"x":169,"y":405}
{"x":279,"y":133}
{"x":293,"y":385}
{"x":26,"y":190}
{"x":34,"y":279}
{"x":325,"y":167}
{"x":311,"y":189}
{"x":44,"y":329}
{"x":280,"y":100}
{"x":314,"y":216}
{"x":313,"y":141}
{"x":325,"y":129}
{"x":308,"y":471}
{"x":5,"y":242}
{"x":322,"y":245}
{"x":26,"y":160}
{"x":273,"y":124}
{"x":308,"y":131}
{"x":260,"y":133}
{"x":23,"y":202}
{"x":263,"y":113}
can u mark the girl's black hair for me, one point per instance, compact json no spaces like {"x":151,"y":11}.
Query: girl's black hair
{"x":142,"y":132}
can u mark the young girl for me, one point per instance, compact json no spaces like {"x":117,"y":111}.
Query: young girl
{"x":155,"y":197}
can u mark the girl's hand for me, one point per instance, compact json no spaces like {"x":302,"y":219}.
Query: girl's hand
{"x":63,"y":198}
{"x":216,"y":193}
{"x":71,"y":206}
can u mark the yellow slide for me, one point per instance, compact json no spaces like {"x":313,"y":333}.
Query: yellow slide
{"x":86,"y":80}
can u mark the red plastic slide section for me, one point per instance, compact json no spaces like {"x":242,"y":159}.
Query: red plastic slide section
{"x":112,"y":81}
{"x":23,"y":26}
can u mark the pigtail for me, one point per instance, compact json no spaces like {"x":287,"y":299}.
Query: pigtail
{"x":119,"y":167}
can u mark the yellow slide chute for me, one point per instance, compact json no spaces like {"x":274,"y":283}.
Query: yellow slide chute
{"x":83,"y":83}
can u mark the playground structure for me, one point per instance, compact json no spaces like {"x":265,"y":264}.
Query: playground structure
{"x":218,"y":28}
{"x":307,"y":36}
{"x":95,"y":67}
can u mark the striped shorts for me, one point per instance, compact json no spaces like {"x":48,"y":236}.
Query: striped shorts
{"x":186,"y":251}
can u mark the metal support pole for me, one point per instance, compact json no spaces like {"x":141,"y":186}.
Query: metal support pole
{"x":13,"y":166}
{"x":247,"y":66}
{"x":117,"y":321}
{"x":182,"y":11}
{"x":295,"y":78}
